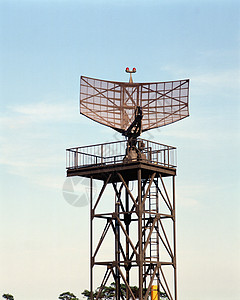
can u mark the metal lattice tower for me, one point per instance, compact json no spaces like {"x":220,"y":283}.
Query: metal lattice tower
{"x":136,"y":246}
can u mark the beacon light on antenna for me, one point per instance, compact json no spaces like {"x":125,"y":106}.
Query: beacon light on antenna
{"x":128,"y":70}
{"x":140,"y":218}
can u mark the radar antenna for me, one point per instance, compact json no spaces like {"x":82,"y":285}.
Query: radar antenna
{"x":132,"y":108}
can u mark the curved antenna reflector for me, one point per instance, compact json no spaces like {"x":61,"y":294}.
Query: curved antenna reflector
{"x":114,"y":103}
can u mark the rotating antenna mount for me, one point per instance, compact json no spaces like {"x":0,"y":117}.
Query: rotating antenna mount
{"x":135,"y":129}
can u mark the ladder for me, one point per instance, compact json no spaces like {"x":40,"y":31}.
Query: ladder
{"x":151,"y":208}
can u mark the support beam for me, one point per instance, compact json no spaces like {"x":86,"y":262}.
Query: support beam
{"x":139,"y":233}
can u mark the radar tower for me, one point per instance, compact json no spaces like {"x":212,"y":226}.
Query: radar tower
{"x":136,"y":245}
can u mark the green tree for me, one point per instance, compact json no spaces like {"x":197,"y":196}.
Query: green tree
{"x":108,"y":292}
{"x":86,"y":294}
{"x":163,"y":296}
{"x":8,"y":296}
{"x":67,"y":296}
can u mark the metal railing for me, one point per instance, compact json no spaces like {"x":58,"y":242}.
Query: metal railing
{"x":115,"y":153}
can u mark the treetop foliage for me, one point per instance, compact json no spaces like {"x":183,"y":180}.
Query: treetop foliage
{"x":67,"y":296}
{"x":108,"y":292}
{"x":8,"y":296}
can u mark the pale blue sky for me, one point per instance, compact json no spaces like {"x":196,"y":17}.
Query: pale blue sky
{"x":45,"y":47}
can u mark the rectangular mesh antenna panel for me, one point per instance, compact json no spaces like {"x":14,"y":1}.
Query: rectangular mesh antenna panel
{"x":114,"y":103}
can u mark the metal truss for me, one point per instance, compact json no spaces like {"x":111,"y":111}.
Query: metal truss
{"x":143,"y":228}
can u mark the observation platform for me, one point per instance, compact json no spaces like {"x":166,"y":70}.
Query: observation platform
{"x":98,"y":161}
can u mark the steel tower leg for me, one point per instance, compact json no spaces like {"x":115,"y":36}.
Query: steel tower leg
{"x":174,"y":238}
{"x":91,"y":238}
{"x":127,"y":221}
{"x":140,"y":253}
{"x":117,"y":250}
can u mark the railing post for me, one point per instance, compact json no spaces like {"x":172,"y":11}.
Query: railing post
{"x":150,"y":153}
{"x":67,"y":163}
{"x":76,"y":158}
{"x":102,"y":154}
{"x":168,"y":157}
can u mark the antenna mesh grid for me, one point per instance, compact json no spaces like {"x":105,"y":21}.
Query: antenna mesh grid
{"x":114,"y":103}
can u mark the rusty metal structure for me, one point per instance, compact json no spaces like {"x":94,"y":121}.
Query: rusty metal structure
{"x":132,"y":216}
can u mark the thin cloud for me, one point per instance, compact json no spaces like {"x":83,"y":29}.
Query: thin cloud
{"x":226,"y":79}
{"x":23,"y":115}
{"x":27,"y":148}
